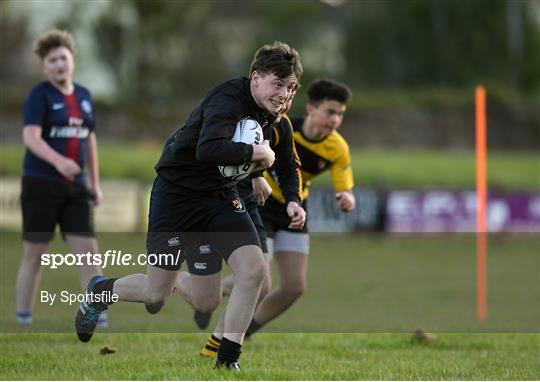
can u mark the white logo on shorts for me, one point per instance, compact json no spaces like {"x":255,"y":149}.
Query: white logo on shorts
{"x":173,"y":241}
{"x":205,"y":248}
{"x":200,"y":265}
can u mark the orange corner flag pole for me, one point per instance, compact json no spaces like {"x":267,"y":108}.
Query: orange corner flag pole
{"x":481,"y":204}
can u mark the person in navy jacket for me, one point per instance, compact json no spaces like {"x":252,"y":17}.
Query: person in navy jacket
{"x":59,"y":136}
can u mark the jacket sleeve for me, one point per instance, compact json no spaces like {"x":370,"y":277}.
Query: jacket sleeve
{"x":287,"y":164}
{"x":214,"y":145}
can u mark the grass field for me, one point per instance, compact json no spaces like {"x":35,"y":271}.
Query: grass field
{"x":274,"y":357}
{"x":382,"y":168}
{"x":366,"y":294}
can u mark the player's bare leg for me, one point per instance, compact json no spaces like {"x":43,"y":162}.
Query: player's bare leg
{"x":203,"y":293}
{"x":247,"y":265}
{"x":151,"y":289}
{"x":292,"y":268}
{"x":84,"y":244}
{"x":212,"y":345}
{"x":28,"y":279}
{"x":227,"y":285}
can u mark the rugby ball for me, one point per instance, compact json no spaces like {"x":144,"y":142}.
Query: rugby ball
{"x":250,"y":132}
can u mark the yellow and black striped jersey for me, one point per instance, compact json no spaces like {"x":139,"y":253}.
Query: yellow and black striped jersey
{"x":286,"y":167}
{"x":332,"y":153}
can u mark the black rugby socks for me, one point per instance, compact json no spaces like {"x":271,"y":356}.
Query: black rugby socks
{"x":229,"y":351}
{"x":105,"y":286}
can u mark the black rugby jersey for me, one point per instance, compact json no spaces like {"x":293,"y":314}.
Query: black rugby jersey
{"x":287,"y":164}
{"x":192,"y":154}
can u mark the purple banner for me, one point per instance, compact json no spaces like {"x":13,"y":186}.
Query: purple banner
{"x":455,"y":211}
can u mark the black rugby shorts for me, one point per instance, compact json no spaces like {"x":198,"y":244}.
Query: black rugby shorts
{"x":45,"y":203}
{"x":202,"y":227}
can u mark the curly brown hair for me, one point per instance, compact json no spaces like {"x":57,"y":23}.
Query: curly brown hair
{"x":52,"y":39}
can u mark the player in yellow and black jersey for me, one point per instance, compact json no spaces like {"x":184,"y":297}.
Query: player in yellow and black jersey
{"x":320,"y":148}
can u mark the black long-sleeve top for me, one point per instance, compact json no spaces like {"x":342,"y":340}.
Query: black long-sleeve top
{"x":193,"y":152}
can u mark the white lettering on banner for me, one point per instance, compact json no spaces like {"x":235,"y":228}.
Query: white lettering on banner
{"x":534,"y":207}
{"x":498,"y":214}
{"x":402,"y":204}
{"x":437,"y":203}
{"x":451,"y":211}
{"x":69,"y":132}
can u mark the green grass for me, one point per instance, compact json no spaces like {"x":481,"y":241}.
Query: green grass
{"x":274,"y":357}
{"x":383,"y":168}
{"x":366,"y":294}
{"x":421,"y":168}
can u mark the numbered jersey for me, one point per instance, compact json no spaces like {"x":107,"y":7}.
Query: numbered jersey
{"x":66,"y":122}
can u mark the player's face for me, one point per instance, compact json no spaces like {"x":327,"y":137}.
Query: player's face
{"x":271,"y":92}
{"x":286,"y":107}
{"x":58,"y":65}
{"x":327,"y":116}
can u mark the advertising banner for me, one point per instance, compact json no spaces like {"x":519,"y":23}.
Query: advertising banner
{"x":455,"y":211}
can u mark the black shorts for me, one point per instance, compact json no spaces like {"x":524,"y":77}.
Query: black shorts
{"x":275,"y":218}
{"x":252,"y":206}
{"x":203,"y":227}
{"x":45,"y":203}
{"x":201,"y":261}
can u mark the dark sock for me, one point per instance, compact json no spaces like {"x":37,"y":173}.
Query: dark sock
{"x":253,"y":327}
{"x":229,"y":351}
{"x":105,"y":286}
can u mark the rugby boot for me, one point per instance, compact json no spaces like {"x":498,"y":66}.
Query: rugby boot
{"x":88,"y":313}
{"x":202,"y":319}
{"x":234,"y":366}
{"x":154,"y":308}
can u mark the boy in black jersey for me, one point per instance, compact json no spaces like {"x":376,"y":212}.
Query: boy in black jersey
{"x":202,"y":286}
{"x":192,"y":204}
